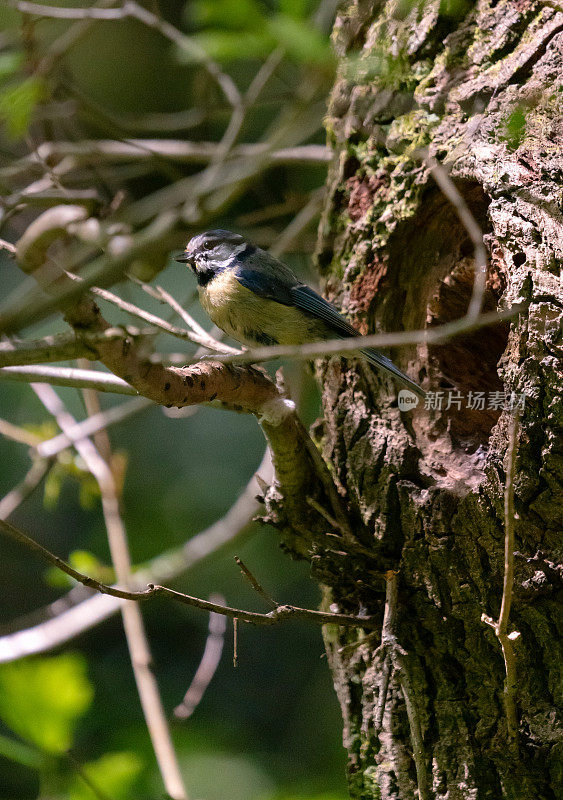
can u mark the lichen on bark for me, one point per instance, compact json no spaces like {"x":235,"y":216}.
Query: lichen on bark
{"x":479,"y":88}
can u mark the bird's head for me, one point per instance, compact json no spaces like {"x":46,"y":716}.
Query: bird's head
{"x":212,"y":252}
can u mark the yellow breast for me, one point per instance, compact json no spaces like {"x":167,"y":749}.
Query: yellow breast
{"x":251,"y":319}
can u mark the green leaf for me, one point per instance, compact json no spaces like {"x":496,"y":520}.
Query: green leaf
{"x":298,"y":9}
{"x":85,"y":562}
{"x":242,"y":15}
{"x":114,"y":775}
{"x":42,"y":699}
{"x":17,"y":104}
{"x":10,"y":64}
{"x":229,"y":46}
{"x":302,"y":42}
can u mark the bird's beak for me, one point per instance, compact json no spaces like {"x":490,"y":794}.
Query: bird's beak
{"x":184,"y":258}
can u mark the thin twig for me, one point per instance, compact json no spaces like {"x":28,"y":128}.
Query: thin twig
{"x":77,"y":154}
{"x":200,"y":337}
{"x":204,"y":338}
{"x":17,"y":434}
{"x":68,"y":622}
{"x":132,"y":620}
{"x":353,"y":345}
{"x":255,"y":583}
{"x":63,"y":346}
{"x":278,"y":614}
{"x":91,"y":425}
{"x":25,"y":488}
{"x":4,"y":245}
{"x":210,"y":660}
{"x":501,"y":627}
{"x":448,"y":188}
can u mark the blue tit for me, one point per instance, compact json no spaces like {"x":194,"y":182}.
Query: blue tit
{"x":257,"y":300}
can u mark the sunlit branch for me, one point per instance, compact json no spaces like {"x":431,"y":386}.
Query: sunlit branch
{"x":65,"y":623}
{"x":204,"y":337}
{"x":62,"y":346}
{"x":91,"y":425}
{"x":68,"y":376}
{"x":343,"y":347}
{"x":77,"y":154}
{"x":132,"y":620}
{"x":210,"y":660}
{"x":279,"y":614}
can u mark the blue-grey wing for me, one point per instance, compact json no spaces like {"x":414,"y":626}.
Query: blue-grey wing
{"x":267,"y":277}
{"x":312,"y":303}
{"x":309,"y":301}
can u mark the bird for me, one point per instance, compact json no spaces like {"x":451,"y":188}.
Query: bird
{"x":257,"y":300}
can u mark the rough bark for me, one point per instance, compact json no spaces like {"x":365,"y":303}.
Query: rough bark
{"x":481,"y":88}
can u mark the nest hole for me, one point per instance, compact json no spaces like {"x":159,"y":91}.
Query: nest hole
{"x":467,"y":366}
{"x":431,"y":277}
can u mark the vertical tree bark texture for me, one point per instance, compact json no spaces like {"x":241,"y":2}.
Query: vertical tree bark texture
{"x":481,"y":87}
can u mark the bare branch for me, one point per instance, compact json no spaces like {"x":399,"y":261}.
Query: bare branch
{"x":132,"y":619}
{"x":68,"y":376}
{"x":69,"y":622}
{"x":25,"y":488}
{"x":353,"y":345}
{"x":17,"y":434}
{"x":91,"y":425}
{"x":77,"y":154}
{"x":204,"y":338}
{"x":11,"y":248}
{"x":62,"y":347}
{"x":279,"y":614}
{"x":210,"y":660}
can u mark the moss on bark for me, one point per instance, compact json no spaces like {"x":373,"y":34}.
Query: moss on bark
{"x":425,"y":490}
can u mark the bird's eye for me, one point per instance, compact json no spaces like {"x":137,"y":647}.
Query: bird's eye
{"x":207,"y":245}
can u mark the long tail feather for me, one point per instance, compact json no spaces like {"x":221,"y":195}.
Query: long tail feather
{"x":385,"y":364}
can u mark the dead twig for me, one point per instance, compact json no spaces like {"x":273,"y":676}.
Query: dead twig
{"x":278,"y":614}
{"x":72,"y":614}
{"x":132,"y":621}
{"x":501,"y":627}
{"x":256,"y":585}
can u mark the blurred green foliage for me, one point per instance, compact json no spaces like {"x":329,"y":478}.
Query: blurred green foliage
{"x":271,"y":729}
{"x":289,"y":27}
{"x":42,"y":699}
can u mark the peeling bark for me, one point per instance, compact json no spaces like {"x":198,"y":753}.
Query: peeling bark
{"x":481,"y":90}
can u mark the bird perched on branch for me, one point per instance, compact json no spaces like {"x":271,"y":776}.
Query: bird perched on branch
{"x":258,"y":300}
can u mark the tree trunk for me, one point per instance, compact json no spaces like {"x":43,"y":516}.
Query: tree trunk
{"x":479,"y":85}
